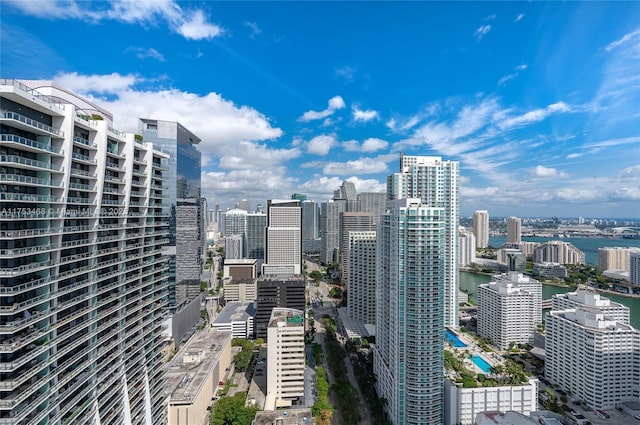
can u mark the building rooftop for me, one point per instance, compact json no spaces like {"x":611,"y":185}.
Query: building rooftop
{"x":508,"y":418}
{"x":190,"y":367}
{"x":286,"y":317}
{"x":284,"y":417}
{"x":592,"y":318}
{"x":236,"y":311}
{"x":239,"y":261}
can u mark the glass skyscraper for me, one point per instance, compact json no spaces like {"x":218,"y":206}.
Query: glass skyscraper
{"x":408,"y":357}
{"x":184,"y":190}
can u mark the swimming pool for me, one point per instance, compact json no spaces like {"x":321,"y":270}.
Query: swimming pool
{"x":481,"y":363}
{"x":453,"y":339}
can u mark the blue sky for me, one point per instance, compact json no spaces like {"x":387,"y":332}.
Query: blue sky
{"x":539,"y":101}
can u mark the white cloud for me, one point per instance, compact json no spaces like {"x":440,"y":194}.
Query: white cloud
{"x":197,"y":27}
{"x":633,"y":171}
{"x":346,"y":72}
{"x":356,"y":167}
{"x":255,"y":29}
{"x":372,"y":145}
{"x":625,"y":38}
{"x":482,"y":31}
{"x":107,"y":83}
{"x":367,"y":115}
{"x":142,"y":53}
{"x":535,"y":115}
{"x":545,"y":172}
{"x":321,"y":187}
{"x":513,"y":75}
{"x":519,"y":17}
{"x":190,"y":23}
{"x":321,"y":145}
{"x":574,"y":155}
{"x":334,"y":104}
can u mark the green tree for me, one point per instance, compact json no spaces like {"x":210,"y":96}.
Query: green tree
{"x":232,"y":411}
{"x":316,"y":275}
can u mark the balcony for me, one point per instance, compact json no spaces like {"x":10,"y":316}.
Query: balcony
{"x":29,"y":124}
{"x":28,"y":144}
{"x":28,"y":180}
{"x":81,"y":186}
{"x":29,"y":164}
{"x":82,"y":173}
{"x":84,"y":142}
{"x":83,"y":159}
{"x":113,"y":166}
{"x":31,"y":92}
{"x":28,"y":197}
{"x":113,"y":179}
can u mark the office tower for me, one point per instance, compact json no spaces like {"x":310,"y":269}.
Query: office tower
{"x":514,"y":230}
{"x":558,"y":252}
{"x":351,"y":222}
{"x":634,"y":268}
{"x":615,"y":258}
{"x":285,"y":359}
{"x":309,"y":226}
{"x":204,"y":226}
{"x":582,"y":298}
{"x":235,"y":224}
{"x":244,"y":205}
{"x":299,"y":197}
{"x":82,"y":276}
{"x":347,"y":194}
{"x":183,"y":189}
{"x":592,"y":356}
{"x":507,"y":312}
{"x":211,"y":218}
{"x":283,"y":247}
{"x":373,"y":202}
{"x":256,"y":225}
{"x":467,"y":243}
{"x":361,"y":277}
{"x":408,"y":357}
{"x":233,"y":247}
{"x":277,"y":292}
{"x":481,"y":228}
{"x":436,"y":183}
{"x":330,"y":230}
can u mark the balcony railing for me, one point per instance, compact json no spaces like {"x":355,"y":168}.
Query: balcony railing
{"x":31,"y":92}
{"x":28,"y":142}
{"x":32,"y":123}
{"x":28,"y":162}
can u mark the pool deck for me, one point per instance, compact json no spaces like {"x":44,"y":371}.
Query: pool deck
{"x":472,"y":348}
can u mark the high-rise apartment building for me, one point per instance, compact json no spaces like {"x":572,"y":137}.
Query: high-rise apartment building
{"x":285,"y":359}
{"x":352,"y":222}
{"x":283,"y":248}
{"x":615,"y":258}
{"x":582,"y":298}
{"x":435,"y":182}
{"x":310,"y":226}
{"x":634,"y":268}
{"x":233,"y":247}
{"x":361,"y":276}
{"x":408,"y":357}
{"x":235,"y":224}
{"x":330,"y":230}
{"x":244,"y":205}
{"x":558,"y":252}
{"x":514,"y":230}
{"x":507,"y":312}
{"x":83,"y":279}
{"x":481,"y":228}
{"x":347,"y":194}
{"x":591,"y":355}
{"x":183,"y":189}
{"x":467,"y":243}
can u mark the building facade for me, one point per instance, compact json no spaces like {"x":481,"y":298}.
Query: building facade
{"x":374,"y":203}
{"x":467,"y":242}
{"x":615,"y":258}
{"x":351,"y":222}
{"x":182,"y":186}
{"x":634,"y":268}
{"x":330,"y":230}
{"x":481,"y":228}
{"x":558,"y":252}
{"x":581,"y":298}
{"x":235,"y":224}
{"x":83,"y":277}
{"x":277,"y":292}
{"x":592,"y":356}
{"x":256,"y":225}
{"x":361,"y":277}
{"x":514,"y":230}
{"x":410,"y":302}
{"x":435,"y":182}
{"x":508,"y":311}
{"x":285,"y":359}
{"x":283,"y":248}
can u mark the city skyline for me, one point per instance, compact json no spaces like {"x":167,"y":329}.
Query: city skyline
{"x":538,"y":101}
